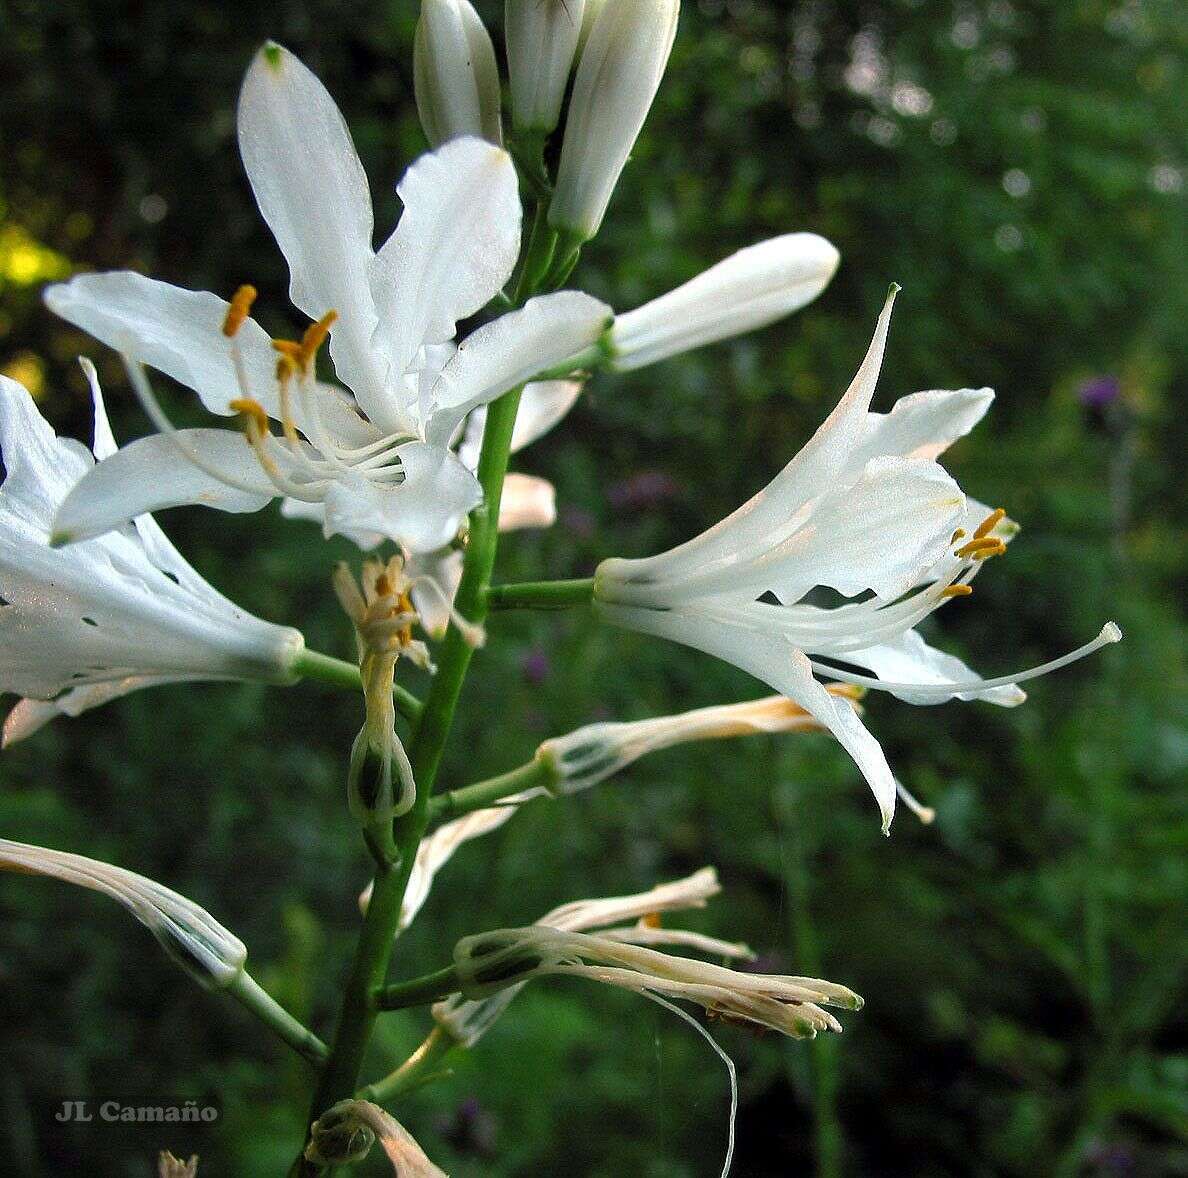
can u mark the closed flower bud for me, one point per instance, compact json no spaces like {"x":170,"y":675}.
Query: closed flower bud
{"x":617,"y":79}
{"x":455,"y":75}
{"x":749,"y":290}
{"x":345,"y":1134}
{"x":542,"y":37}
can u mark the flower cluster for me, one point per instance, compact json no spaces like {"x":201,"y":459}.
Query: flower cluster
{"x":451,"y":347}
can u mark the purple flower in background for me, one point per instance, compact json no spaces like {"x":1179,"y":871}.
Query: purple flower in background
{"x":1099,"y":392}
{"x":535,"y":666}
{"x":578,"y":522}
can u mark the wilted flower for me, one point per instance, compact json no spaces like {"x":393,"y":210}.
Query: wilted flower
{"x":374,"y":462}
{"x":863,"y":509}
{"x":467,"y":1019}
{"x":214,"y":956}
{"x":622,"y":62}
{"x":93,"y":622}
{"x":455,"y":75}
{"x":591,"y":754}
{"x":542,"y":37}
{"x":170,"y":1167}
{"x":345,"y":1134}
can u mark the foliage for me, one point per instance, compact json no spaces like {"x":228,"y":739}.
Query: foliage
{"x":1019,"y":168}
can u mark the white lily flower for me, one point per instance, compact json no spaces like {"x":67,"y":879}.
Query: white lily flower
{"x":467,"y":1019}
{"x":214,"y":956}
{"x":87,"y":624}
{"x":455,"y":76}
{"x":542,"y":38}
{"x":749,"y":290}
{"x":590,"y":755}
{"x":374,"y":462}
{"x":863,"y":509}
{"x":621,"y":66}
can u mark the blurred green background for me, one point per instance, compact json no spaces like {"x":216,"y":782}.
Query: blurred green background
{"x":1019,"y":166}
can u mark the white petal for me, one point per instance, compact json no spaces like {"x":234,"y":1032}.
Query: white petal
{"x":104,"y":445}
{"x":455,"y":246}
{"x":316,"y":513}
{"x":151,"y":473}
{"x":422,"y":514}
{"x":922,"y":425}
{"x":543,"y":334}
{"x":543,"y":405}
{"x":909,"y":659}
{"x":176,"y":331}
{"x":40,"y":468}
{"x":781,"y":666}
{"x":885,"y":533}
{"x":444,"y":569}
{"x":527,"y":502}
{"x":749,"y":290}
{"x":769,"y":516}
{"x":31,"y":715}
{"x":313,"y":193}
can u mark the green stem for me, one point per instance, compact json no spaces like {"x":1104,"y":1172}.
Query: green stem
{"x":541,"y":594}
{"x":430,"y":987}
{"x":374,"y":950}
{"x":252,"y":996}
{"x":339,"y":673}
{"x":536,"y":774}
{"x":424,"y":1065}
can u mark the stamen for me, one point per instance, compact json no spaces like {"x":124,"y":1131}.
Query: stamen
{"x":926,"y":814}
{"x":253,"y":411}
{"x":1110,"y":633}
{"x":957,"y":591}
{"x":237,"y":312}
{"x":315,"y":335}
{"x":850,"y":691}
{"x":959,"y":534}
{"x":652,"y":920}
{"x":989,"y":523}
{"x":987,"y":553}
{"x":984,"y":544}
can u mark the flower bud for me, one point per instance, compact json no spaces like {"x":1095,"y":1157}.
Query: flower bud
{"x":749,"y":290}
{"x":617,"y":79}
{"x":206,"y":950}
{"x":454,"y":74}
{"x":542,"y":37}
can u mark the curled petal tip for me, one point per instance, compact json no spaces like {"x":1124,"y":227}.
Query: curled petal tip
{"x":893,"y":290}
{"x":1111,"y":632}
{"x":273,"y":55}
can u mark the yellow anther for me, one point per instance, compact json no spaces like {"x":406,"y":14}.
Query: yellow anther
{"x":987,"y":545}
{"x":237,"y":312}
{"x":652,"y":920}
{"x":959,"y":534}
{"x":314,"y":337}
{"x":253,"y":411}
{"x":989,"y":523}
{"x":957,"y":591}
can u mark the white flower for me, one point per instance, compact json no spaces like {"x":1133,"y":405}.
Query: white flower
{"x":749,"y":290}
{"x":863,"y":509}
{"x":455,"y":75}
{"x":83,"y":625}
{"x":621,"y":65}
{"x":467,"y":1019}
{"x":189,"y":934}
{"x":374,"y":462}
{"x":590,"y":755}
{"x":542,"y":38}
